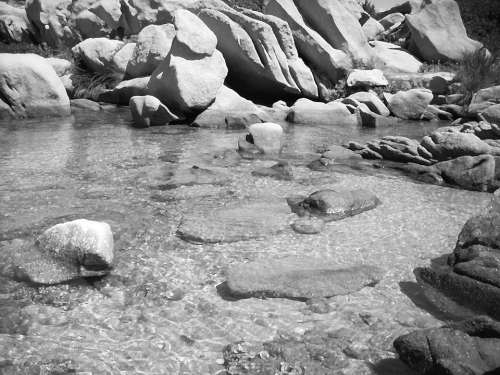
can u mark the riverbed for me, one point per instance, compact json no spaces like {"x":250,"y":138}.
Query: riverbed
{"x":159,"y":311}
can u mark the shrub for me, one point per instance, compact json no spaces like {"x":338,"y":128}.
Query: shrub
{"x":478,"y":70}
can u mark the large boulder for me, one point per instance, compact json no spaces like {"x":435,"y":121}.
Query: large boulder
{"x":320,"y":55}
{"x":151,"y":48}
{"x":332,"y":205}
{"x":467,"y":347}
{"x":68,"y":251}
{"x":302,"y":278}
{"x":30,"y":87}
{"x":449,"y":145}
{"x":14,"y":24}
{"x":411,"y":104}
{"x":338,"y":26}
{"x":391,"y":57}
{"x":148,"y":110}
{"x":96,"y":54}
{"x":305,"y":111}
{"x":228,"y":104}
{"x":192,"y":35}
{"x":189,"y":78}
{"x":438,"y":33}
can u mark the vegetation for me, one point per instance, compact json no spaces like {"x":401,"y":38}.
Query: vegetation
{"x":478,"y":70}
{"x":249,"y":4}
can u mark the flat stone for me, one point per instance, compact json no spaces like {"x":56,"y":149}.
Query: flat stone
{"x":279,"y":171}
{"x":195,"y":176}
{"x":238,"y":221}
{"x":303,"y":278}
{"x":331,"y":205}
{"x":308,"y":225}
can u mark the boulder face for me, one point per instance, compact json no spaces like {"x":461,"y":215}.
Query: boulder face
{"x":338,"y":26}
{"x":438,"y":33}
{"x":391,"y":57}
{"x":193,"y":35}
{"x":302,"y":278}
{"x":14,"y":24}
{"x":411,"y":104}
{"x":30,"y":87}
{"x":152,"y":47}
{"x":190,"y":77}
{"x":320,"y":55}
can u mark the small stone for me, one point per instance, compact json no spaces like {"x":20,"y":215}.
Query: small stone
{"x":308,"y":225}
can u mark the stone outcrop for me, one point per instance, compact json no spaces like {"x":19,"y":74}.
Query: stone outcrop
{"x":30,"y":87}
{"x":391,"y":57}
{"x":305,"y":111}
{"x":449,"y":145}
{"x":189,"y":78}
{"x":148,"y":111}
{"x":302,"y":278}
{"x":96,"y":54}
{"x":438,"y":33}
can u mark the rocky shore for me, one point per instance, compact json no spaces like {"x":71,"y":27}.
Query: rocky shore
{"x":260,"y":74}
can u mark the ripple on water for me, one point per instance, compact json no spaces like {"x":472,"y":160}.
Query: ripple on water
{"x":159,"y":311}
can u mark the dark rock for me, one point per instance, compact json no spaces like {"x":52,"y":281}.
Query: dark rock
{"x":235,"y":222}
{"x":332,"y":205}
{"x":369,"y":119}
{"x":279,"y":171}
{"x":302,"y":278}
{"x":195,"y":176}
{"x":400,"y":149}
{"x":470,"y":172}
{"x":450,"y":350}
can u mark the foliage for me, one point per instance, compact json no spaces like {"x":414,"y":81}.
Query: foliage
{"x":89,"y":85}
{"x":478,"y":70}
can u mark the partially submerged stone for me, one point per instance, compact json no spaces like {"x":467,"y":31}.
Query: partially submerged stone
{"x":267,"y":137}
{"x":331,"y":205}
{"x":308,"y":225}
{"x":195,"y":176}
{"x":68,"y":251}
{"x":280,"y":171}
{"x":302,"y":278}
{"x":238,"y":221}
{"x":149,"y":111}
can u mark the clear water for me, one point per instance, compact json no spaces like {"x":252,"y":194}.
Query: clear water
{"x":159,"y":311}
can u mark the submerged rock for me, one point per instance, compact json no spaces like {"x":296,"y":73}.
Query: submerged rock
{"x":308,"y":225}
{"x":195,"y":176}
{"x":303,"y":278}
{"x":238,"y":221}
{"x":30,"y":87}
{"x":279,"y":171}
{"x":468,"y":347}
{"x":68,"y":251}
{"x":331,"y":205}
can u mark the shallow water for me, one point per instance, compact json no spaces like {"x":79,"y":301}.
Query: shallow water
{"x":159,"y":311}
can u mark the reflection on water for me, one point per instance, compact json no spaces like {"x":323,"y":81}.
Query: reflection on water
{"x":159,"y":311}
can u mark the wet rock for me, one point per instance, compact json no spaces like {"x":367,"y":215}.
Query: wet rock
{"x":96,"y":54}
{"x":149,"y":111}
{"x":470,"y":347}
{"x":238,"y":221}
{"x":152,"y":47}
{"x":332,"y":205}
{"x":471,"y":276}
{"x":308,"y":225}
{"x":227,"y":109}
{"x":391,"y":57}
{"x":195,"y":176}
{"x":369,"y":119}
{"x":411,"y":104}
{"x":372,"y":101}
{"x":366,"y":78}
{"x":70,"y":250}
{"x":425,"y":173}
{"x":303,"y":278}
{"x":29,"y":87}
{"x":401,"y":149}
{"x":267,"y":137}
{"x":279,"y":171}
{"x":449,"y":145}
{"x":438,"y":33}
{"x":305,"y":111}
{"x":470,"y":172}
